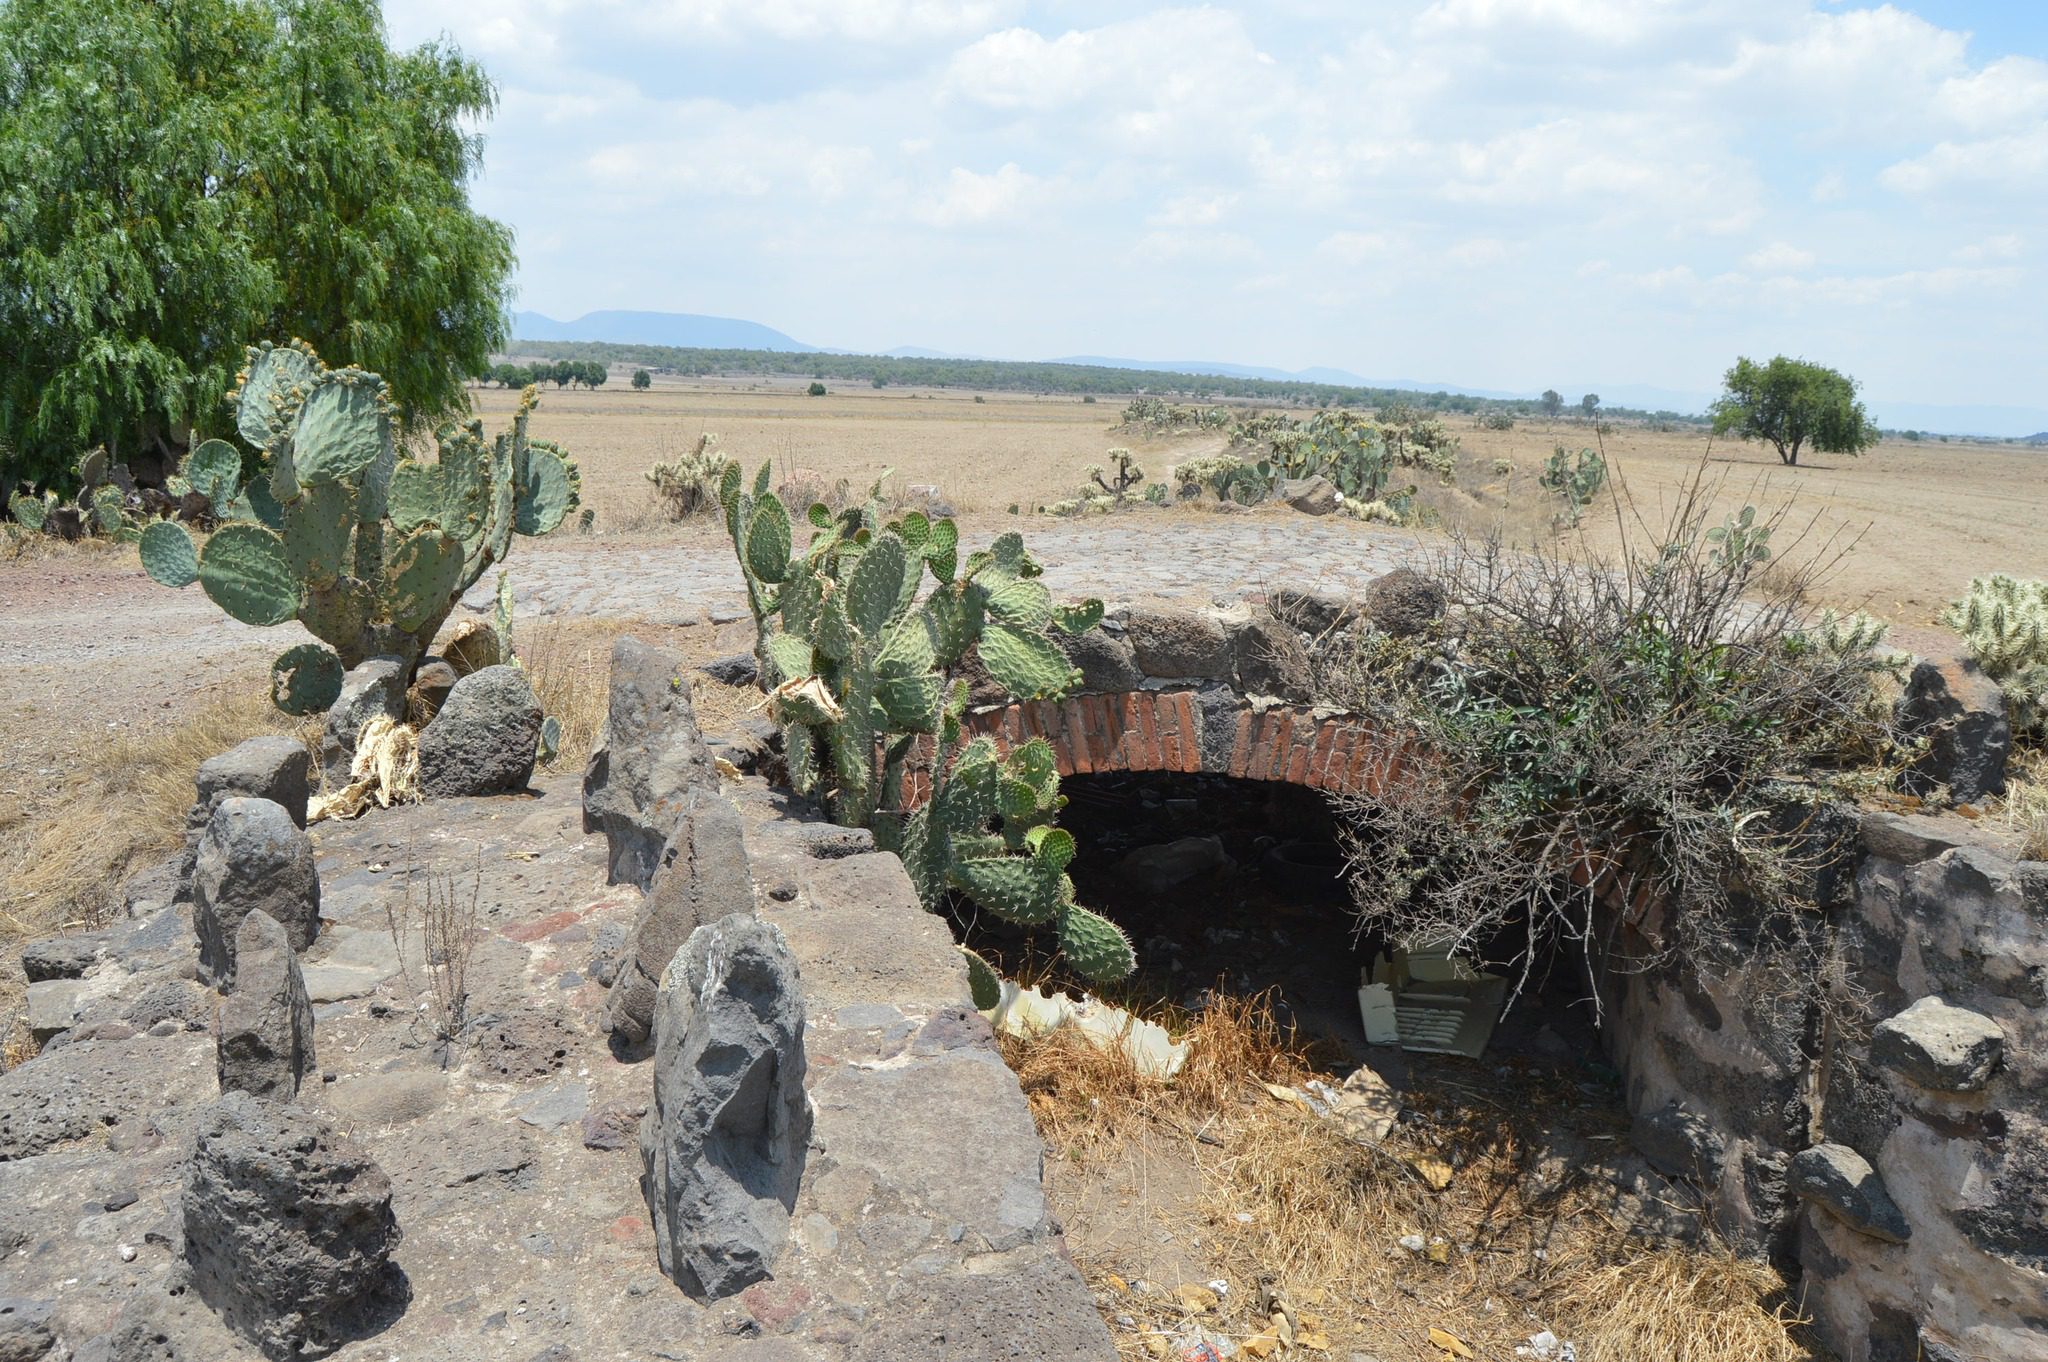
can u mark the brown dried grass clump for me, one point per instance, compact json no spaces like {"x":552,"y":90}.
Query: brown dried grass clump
{"x":1284,"y":1200}
{"x":64,"y":859}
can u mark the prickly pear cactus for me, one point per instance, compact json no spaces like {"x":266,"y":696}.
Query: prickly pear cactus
{"x":861,"y":660}
{"x":367,"y":549}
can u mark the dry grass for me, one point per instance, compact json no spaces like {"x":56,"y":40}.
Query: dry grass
{"x":2025,"y":805}
{"x":64,"y":858}
{"x":1275,"y":1197}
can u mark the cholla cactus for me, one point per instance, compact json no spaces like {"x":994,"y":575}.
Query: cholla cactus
{"x":368,"y":550}
{"x":1127,"y":474}
{"x":859,"y":667}
{"x":687,"y":485}
{"x":2004,"y":620}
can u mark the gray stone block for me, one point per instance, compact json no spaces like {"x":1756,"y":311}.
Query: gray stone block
{"x":1679,"y":1142}
{"x":650,"y":757}
{"x":1840,"y":1181}
{"x":1108,"y":666}
{"x":723,"y":1144}
{"x":371,"y":690}
{"x":1315,"y":495}
{"x":62,"y":957}
{"x":275,"y":768}
{"x":252,"y":856}
{"x":54,"y":1005}
{"x":1961,"y":713}
{"x":1402,"y":602}
{"x":266,"y":1022}
{"x":1179,"y":644}
{"x":1934,"y":1045}
{"x":702,"y":876}
{"x":485,"y":739}
{"x":1909,"y":838}
{"x":288,"y":1226}
{"x":1270,"y":658}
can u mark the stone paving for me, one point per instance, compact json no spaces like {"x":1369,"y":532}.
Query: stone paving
{"x":1143,"y":557}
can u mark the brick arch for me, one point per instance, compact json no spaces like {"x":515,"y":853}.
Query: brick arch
{"x":1211,"y":730}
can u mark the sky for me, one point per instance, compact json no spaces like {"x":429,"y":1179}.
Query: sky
{"x":1509,"y":194}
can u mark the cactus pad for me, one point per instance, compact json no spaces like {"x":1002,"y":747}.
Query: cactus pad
{"x":1013,"y":888}
{"x":984,"y":985}
{"x":305,"y":679}
{"x":273,"y":372}
{"x":343,"y":426}
{"x":545,"y":493}
{"x":168,"y":555}
{"x":768,"y":540}
{"x":215,"y":471}
{"x":316,"y":531}
{"x":1095,"y":946}
{"x":424,"y":573}
{"x":1026,"y":663}
{"x":245,"y":571}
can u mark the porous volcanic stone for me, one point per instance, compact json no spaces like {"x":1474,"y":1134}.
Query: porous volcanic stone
{"x":485,"y":738}
{"x":1961,"y":712}
{"x":1679,"y":1142}
{"x":251,"y":856}
{"x":1934,"y":1045}
{"x":723,"y":1144}
{"x":288,"y":1226}
{"x":24,"y":1330}
{"x":1271,"y":658}
{"x":62,"y":957}
{"x":702,"y":876}
{"x":275,"y":768}
{"x":1403,"y":602}
{"x":1179,"y":643}
{"x":734,"y":669}
{"x":1838,"y":1179}
{"x":1107,"y":663}
{"x":649,"y":757}
{"x":432,"y":682}
{"x":266,"y":1023}
{"x":1314,"y":495}
{"x":371,"y":690}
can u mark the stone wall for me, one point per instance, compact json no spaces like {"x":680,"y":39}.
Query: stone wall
{"x":1897,"y":1162}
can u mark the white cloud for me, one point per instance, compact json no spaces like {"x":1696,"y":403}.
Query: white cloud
{"x":2004,"y":246}
{"x":2019,"y":162}
{"x":1779,"y":258}
{"x":970,"y":199}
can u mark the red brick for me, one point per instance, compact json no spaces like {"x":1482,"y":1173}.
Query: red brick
{"x":1305,"y":735}
{"x":1241,"y":746}
{"x":1190,"y":731}
{"x":1337,"y":763}
{"x":1319,"y":755}
{"x":1274,"y":754}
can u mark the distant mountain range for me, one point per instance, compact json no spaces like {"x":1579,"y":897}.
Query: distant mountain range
{"x":692,"y":330}
{"x":686,"y":329}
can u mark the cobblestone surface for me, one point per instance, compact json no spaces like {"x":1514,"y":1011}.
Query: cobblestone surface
{"x":1143,"y":557}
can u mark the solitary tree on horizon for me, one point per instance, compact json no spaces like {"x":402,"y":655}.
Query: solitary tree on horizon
{"x":1553,"y":402}
{"x":1791,"y":404}
{"x":1589,"y":404}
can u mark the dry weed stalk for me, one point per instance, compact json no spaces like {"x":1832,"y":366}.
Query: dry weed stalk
{"x":443,"y":915}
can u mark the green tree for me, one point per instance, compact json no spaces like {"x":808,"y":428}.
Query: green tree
{"x":183,"y":178}
{"x":1792,"y":404}
{"x":1589,"y":404}
{"x":642,"y":380}
{"x":1553,"y":402}
{"x":592,"y":374}
{"x":818,"y":390}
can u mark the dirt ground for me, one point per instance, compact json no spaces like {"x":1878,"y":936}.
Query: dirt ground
{"x":1924,"y":517}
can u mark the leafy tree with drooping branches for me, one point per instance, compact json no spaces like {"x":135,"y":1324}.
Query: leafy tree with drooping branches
{"x":180,"y":177}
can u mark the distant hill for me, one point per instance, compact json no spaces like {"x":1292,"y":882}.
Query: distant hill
{"x":683,"y":329}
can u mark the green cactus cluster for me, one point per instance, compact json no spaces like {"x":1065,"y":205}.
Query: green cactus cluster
{"x":687,"y":485}
{"x":110,"y":505}
{"x":369,"y":550}
{"x":861,"y":662}
{"x":2004,"y":620}
{"x":1577,"y":481}
{"x":1739,"y":542}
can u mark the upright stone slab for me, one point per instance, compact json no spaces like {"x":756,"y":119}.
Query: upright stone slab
{"x":723,"y":1144}
{"x":371,"y":690}
{"x":702,"y":876}
{"x":485,"y":738}
{"x":266,"y":1024}
{"x":651,"y":755}
{"x":252,"y":856}
{"x":1961,"y":713}
{"x":288,"y":1227}
{"x":275,"y":768}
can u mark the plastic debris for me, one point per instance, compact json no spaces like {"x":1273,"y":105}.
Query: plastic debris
{"x":1449,"y":1342}
{"x":1441,"y":1004}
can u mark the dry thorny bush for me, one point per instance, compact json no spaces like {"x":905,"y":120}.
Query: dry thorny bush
{"x":1287,"y":1202}
{"x":434,"y":928}
{"x":1670,"y":719}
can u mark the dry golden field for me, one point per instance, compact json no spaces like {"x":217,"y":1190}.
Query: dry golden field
{"x":1923,"y":517}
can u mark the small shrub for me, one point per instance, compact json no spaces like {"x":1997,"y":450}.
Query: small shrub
{"x":642,"y":380}
{"x":816,"y":389}
{"x":687,"y":485}
{"x":1577,"y":482}
{"x":1496,"y":420}
{"x":1663,"y":716}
